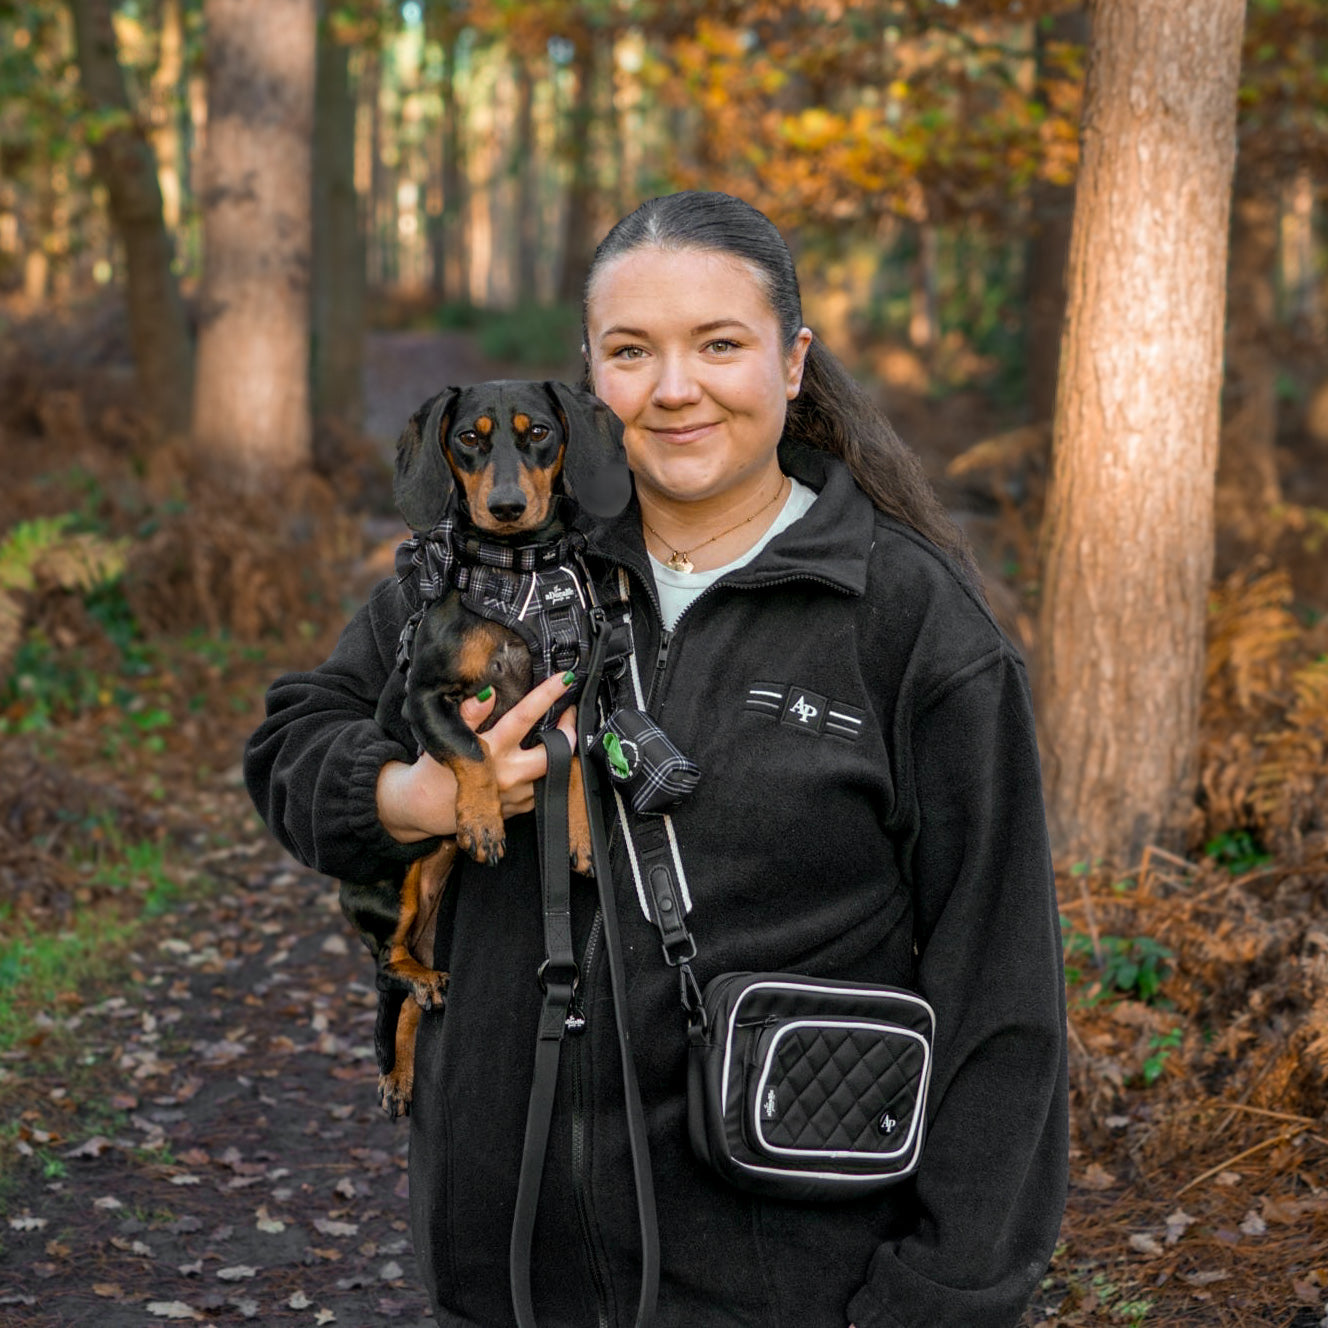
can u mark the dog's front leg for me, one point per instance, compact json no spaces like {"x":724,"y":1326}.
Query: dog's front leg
{"x":578,"y":822}
{"x":448,"y":739}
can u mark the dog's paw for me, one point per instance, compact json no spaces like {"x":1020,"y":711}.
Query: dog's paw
{"x":430,"y":992}
{"x":483,"y":842}
{"x":581,"y":860}
{"x":394,"y":1093}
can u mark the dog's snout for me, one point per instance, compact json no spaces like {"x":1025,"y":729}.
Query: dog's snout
{"x":506,"y":504}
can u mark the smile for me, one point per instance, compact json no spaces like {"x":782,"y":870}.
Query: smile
{"x":681,"y":434}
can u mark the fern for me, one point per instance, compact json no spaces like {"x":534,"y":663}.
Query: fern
{"x":44,"y":555}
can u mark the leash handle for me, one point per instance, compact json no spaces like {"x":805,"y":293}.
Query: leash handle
{"x":559,"y":976}
{"x":637,"y":1135}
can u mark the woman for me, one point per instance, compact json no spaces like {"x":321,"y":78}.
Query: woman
{"x":782,"y":543}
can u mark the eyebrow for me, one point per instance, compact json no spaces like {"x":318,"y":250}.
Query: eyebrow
{"x":618,"y":330}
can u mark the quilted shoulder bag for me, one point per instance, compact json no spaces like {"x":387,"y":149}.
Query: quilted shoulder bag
{"x":798,"y":1087}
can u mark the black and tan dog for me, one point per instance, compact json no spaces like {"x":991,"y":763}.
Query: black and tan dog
{"x":497,"y":468}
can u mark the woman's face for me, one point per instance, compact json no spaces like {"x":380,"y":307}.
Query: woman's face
{"x":684,"y":347}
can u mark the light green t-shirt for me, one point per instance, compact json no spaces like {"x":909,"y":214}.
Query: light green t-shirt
{"x":678,"y":589}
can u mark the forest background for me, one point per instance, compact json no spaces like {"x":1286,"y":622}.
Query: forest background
{"x":241,"y":241}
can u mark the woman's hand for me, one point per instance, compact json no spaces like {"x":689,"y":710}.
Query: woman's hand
{"x":418,"y":801}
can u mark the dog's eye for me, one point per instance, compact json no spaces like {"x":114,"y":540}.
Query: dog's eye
{"x":538,"y":433}
{"x":468,"y":438}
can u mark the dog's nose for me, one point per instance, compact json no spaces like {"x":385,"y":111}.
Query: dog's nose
{"x":507,"y":504}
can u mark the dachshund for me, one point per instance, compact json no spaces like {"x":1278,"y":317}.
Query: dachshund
{"x":487,"y":477}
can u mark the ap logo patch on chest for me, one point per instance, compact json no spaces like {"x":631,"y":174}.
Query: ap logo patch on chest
{"x":806,"y":710}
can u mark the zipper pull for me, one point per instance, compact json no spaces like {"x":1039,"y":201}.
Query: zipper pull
{"x":662,"y":658}
{"x":575,"y":1019}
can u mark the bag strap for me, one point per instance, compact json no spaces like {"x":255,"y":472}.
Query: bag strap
{"x":559,"y":977}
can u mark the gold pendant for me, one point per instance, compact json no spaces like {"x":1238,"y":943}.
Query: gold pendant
{"x":678,"y":561}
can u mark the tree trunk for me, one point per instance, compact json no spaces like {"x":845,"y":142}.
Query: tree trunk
{"x":527,"y":182}
{"x":251,"y":409}
{"x":1247,"y":481}
{"x":1128,"y":541}
{"x":1048,"y":243}
{"x":578,"y":222}
{"x":126,"y":166}
{"x":338,"y":287}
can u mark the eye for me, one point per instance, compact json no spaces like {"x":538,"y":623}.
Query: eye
{"x":468,"y":438}
{"x":538,"y":433}
{"x":627,"y":353}
{"x":723,"y":345}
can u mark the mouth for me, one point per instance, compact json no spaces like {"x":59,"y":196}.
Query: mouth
{"x":681,"y":433}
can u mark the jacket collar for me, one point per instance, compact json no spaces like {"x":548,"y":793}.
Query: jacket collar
{"x":830,"y":543}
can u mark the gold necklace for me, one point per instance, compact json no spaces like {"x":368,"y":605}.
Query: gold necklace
{"x":679,"y":560}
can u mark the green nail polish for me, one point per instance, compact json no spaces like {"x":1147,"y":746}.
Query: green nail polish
{"x":484,"y":695}
{"x":569,"y":678}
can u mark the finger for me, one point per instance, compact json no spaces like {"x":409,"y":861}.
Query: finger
{"x":474,"y":711}
{"x":526,"y":713}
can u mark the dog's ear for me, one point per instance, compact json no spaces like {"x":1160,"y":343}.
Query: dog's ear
{"x":595,"y":470}
{"x":423,"y":483}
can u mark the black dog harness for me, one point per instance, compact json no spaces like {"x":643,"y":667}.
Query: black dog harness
{"x":540,"y":591}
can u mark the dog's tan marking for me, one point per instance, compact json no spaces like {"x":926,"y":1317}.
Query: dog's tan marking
{"x":477,"y":648}
{"x":521,"y":421}
{"x":426,"y":983}
{"x":578,"y":822}
{"x":485,"y":425}
{"x":479,"y":809}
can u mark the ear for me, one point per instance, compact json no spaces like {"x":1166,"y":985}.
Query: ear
{"x":422,"y":485}
{"x":595,"y":473}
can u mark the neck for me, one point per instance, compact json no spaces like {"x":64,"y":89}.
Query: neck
{"x":712,"y":531}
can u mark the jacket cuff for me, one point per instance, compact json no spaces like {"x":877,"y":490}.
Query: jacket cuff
{"x":378,"y":848}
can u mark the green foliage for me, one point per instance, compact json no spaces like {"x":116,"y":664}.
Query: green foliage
{"x":1238,"y":851}
{"x":540,"y":336}
{"x":1133,"y":966}
{"x":1160,"y":1046}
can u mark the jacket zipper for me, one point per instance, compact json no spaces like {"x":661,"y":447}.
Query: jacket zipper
{"x":654,"y":693}
{"x":580,"y":1157}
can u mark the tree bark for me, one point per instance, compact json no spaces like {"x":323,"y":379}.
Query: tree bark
{"x":338,"y":286}
{"x":127,"y":167}
{"x":579,"y":219}
{"x":456,"y":205}
{"x":527,"y":183}
{"x":251,"y":407}
{"x":1247,"y":481}
{"x":1128,"y":539}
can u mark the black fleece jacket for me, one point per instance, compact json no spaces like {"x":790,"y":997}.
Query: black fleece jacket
{"x":869,"y":808}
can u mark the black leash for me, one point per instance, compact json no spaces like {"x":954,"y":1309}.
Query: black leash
{"x":559,"y":976}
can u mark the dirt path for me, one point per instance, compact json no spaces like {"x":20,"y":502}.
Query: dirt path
{"x":237,"y":1166}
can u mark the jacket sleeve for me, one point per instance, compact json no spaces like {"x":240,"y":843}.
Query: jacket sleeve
{"x":312,"y":765}
{"x":992,"y":1181}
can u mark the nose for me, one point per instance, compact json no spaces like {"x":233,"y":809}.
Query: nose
{"x":506,"y":503}
{"x":676,"y":385}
